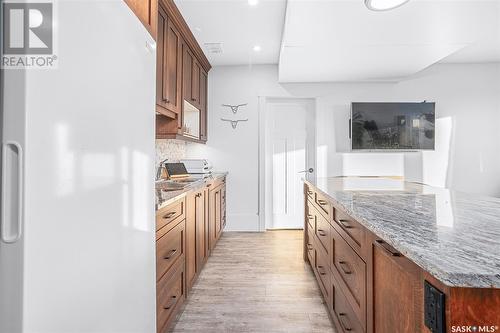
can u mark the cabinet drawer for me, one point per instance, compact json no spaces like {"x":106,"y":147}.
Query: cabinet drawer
{"x":170,"y":294}
{"x":309,"y":192}
{"x":323,"y":273}
{"x":324,"y":206}
{"x":310,"y":216}
{"x":169,"y":248}
{"x":354,"y":231}
{"x":323,"y":233}
{"x":343,"y":312}
{"x":173,"y":212}
{"x":310,"y":247}
{"x":351,"y":270}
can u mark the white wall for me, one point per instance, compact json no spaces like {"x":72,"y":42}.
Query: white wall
{"x":467,"y":155}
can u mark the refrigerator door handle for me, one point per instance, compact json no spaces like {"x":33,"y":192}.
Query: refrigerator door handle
{"x":12,"y":192}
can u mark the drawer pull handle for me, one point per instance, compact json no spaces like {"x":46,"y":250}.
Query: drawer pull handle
{"x":310,"y":192}
{"x":322,"y":202}
{"x":310,"y":217}
{"x":345,"y":267}
{"x":169,"y":215}
{"x":171,"y":303}
{"x":345,"y":325}
{"x":321,"y":233}
{"x":392,"y":251}
{"x":208,"y":185}
{"x":345,"y":224}
{"x":321,"y":270}
{"x":170,"y":254}
{"x":309,"y":247}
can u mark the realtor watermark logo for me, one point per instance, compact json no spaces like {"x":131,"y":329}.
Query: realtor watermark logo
{"x":474,"y":329}
{"x":28,"y":35}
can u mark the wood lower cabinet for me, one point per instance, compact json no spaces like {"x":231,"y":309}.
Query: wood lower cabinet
{"x":147,"y":12}
{"x":184,"y":238}
{"x":397,"y":291}
{"x":217,"y":213}
{"x":170,"y":295}
{"x":196,"y":235}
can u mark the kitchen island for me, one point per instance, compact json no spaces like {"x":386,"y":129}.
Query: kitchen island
{"x":396,"y":256}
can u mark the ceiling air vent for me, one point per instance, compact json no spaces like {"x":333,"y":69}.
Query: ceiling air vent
{"x":214,"y":48}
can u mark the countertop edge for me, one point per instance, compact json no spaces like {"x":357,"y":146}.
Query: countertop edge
{"x":189,"y":188}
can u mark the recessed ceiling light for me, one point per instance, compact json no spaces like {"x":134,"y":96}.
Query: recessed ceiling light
{"x":253,"y":2}
{"x":257,"y":48}
{"x":381,"y":5}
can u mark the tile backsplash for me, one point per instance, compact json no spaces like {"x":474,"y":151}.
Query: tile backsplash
{"x":171,"y":149}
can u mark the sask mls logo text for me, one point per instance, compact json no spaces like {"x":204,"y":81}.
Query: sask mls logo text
{"x":28,"y":35}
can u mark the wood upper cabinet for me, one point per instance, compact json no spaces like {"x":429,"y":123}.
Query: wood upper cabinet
{"x":168,"y":67}
{"x":397,"y":291}
{"x":147,"y":12}
{"x":190,"y":77}
{"x":182,"y":76}
{"x":203,"y":105}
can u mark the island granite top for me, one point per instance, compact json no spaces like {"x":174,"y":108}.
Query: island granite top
{"x":453,"y":235}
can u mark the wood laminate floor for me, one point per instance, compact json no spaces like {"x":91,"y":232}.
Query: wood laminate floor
{"x":256,"y":282}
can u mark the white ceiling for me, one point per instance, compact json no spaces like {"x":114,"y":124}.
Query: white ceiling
{"x":341,"y":40}
{"x":239,"y":27}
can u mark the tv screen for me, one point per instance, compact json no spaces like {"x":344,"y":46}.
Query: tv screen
{"x":392,"y":126}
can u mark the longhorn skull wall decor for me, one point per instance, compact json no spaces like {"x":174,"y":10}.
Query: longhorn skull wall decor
{"x":234,"y":123}
{"x":234,"y":108}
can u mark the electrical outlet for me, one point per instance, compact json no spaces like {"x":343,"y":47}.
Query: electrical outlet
{"x":434,"y":308}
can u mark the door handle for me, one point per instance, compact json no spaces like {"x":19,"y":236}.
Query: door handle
{"x":12,"y":214}
{"x":310,"y":170}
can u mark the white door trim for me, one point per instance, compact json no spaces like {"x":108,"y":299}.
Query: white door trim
{"x":263,"y":208}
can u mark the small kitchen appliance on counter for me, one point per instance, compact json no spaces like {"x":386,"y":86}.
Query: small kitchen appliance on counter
{"x":197,"y":166}
{"x":176,"y":170}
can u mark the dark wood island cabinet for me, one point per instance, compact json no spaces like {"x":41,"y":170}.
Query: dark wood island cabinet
{"x":370,"y":286}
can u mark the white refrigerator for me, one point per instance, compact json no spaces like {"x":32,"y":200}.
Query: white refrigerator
{"x":77,"y":243}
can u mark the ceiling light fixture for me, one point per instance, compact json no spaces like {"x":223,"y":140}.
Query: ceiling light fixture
{"x":381,"y":5}
{"x":253,"y":2}
{"x":256,"y":48}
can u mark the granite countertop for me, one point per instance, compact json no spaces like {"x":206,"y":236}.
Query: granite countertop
{"x":453,"y":235}
{"x":165,"y":198}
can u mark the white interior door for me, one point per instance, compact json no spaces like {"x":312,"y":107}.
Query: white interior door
{"x":289,"y":146}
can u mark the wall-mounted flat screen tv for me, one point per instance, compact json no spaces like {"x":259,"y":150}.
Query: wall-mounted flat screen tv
{"x":393,"y":126}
